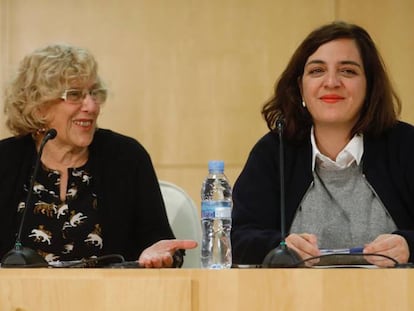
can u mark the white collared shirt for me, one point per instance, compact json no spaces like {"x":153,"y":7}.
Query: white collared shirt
{"x":353,"y":151}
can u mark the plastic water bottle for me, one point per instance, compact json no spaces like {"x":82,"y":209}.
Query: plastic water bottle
{"x":216,"y":205}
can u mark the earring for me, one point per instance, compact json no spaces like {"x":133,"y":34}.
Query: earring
{"x":303,"y":103}
{"x":40,"y":131}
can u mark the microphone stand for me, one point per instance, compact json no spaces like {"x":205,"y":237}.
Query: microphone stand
{"x":20,"y":256}
{"x":282,"y":256}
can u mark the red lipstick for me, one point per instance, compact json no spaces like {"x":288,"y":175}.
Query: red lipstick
{"x":331,"y":98}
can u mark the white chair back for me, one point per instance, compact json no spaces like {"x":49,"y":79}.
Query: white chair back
{"x":184,"y":219}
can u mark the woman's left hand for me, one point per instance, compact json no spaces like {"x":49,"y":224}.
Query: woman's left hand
{"x":391,"y":245}
{"x":160,"y":254}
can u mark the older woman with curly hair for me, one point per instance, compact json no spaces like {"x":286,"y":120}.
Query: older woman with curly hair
{"x":96,"y":191}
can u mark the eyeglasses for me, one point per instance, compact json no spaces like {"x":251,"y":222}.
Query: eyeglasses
{"x":77,"y":95}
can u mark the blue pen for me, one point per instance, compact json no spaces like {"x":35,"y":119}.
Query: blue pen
{"x":353,"y":250}
{"x":329,"y":251}
{"x":356,"y":250}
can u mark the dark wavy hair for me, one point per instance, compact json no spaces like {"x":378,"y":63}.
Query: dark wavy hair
{"x":381,"y":107}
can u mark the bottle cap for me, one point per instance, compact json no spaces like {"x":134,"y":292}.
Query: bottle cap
{"x":216,"y":166}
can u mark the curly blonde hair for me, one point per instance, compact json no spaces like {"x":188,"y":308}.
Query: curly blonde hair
{"x":41,"y":79}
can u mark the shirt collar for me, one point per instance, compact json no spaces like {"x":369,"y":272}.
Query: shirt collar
{"x":353,"y":151}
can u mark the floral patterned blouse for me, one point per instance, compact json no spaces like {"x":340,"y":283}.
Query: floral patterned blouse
{"x":62,"y":230}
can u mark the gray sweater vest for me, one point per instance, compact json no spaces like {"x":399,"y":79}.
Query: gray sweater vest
{"x":342,"y":209}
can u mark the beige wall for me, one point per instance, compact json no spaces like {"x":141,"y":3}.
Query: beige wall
{"x":188,"y":78}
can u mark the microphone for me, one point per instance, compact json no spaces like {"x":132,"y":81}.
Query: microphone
{"x":282,"y":256}
{"x":20,"y":256}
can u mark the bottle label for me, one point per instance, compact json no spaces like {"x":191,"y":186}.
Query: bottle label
{"x":214,"y":209}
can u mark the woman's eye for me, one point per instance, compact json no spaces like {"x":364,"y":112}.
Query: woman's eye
{"x":74,"y":95}
{"x":349,"y":72}
{"x":315,"y":71}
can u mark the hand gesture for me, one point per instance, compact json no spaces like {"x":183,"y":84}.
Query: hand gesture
{"x":305,"y":245}
{"x":160,"y":254}
{"x":392,"y":245}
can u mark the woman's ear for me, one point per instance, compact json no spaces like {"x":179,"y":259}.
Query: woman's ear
{"x":300,"y":85}
{"x":301,"y":91}
{"x":40,"y":113}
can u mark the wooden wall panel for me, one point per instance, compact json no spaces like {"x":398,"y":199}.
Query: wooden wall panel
{"x":391,"y":24}
{"x":188,"y":78}
{"x":4,"y":18}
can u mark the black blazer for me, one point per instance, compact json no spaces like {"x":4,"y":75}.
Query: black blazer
{"x":129,"y":198}
{"x":388,"y":165}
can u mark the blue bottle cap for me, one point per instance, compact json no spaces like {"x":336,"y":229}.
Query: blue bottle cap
{"x":216,"y":166}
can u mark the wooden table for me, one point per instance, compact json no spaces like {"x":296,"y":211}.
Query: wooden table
{"x":206,"y":290}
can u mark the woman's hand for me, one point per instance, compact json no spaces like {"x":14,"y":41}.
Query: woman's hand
{"x":305,"y":245}
{"x":391,"y":245}
{"x":160,"y":254}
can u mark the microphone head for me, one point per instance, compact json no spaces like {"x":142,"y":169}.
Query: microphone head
{"x":23,"y":257}
{"x":282,"y":257}
{"x":51,"y":133}
{"x":280,"y":124}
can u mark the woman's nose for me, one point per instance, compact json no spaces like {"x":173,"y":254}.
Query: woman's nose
{"x":332,"y":80}
{"x":89,"y":104}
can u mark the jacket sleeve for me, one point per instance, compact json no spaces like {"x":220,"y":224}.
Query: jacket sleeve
{"x":131,"y":204}
{"x":256,"y":212}
{"x":389,"y":168}
{"x":150,"y":208}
